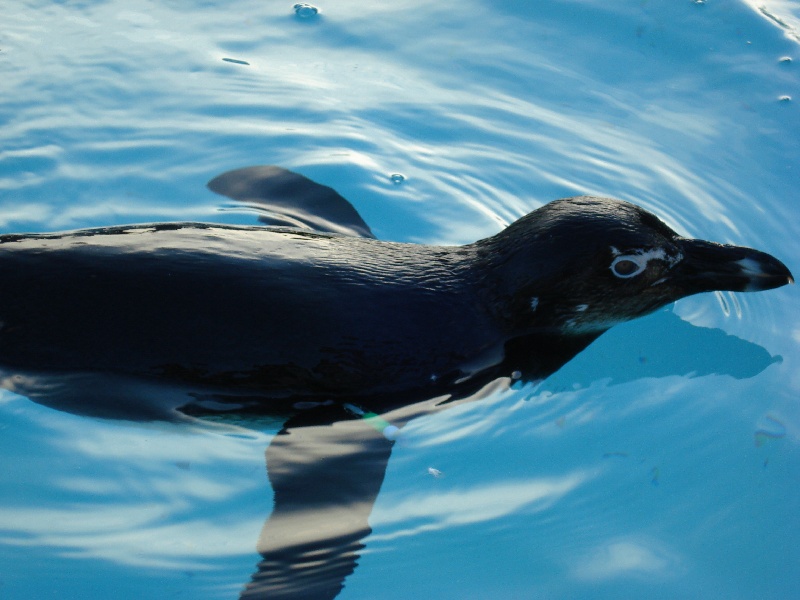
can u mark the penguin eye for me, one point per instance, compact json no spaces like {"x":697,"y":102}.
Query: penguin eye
{"x":628,"y":266}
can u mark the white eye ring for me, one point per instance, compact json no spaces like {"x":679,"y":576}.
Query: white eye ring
{"x":628,"y":266}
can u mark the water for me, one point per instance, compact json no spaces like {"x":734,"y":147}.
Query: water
{"x":662,"y":463}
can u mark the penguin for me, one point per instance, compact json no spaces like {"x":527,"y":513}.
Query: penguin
{"x":310,"y":316}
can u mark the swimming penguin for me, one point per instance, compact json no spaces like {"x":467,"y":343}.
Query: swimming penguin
{"x":162,"y":320}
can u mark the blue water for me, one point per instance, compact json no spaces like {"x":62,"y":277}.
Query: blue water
{"x":663,"y":462}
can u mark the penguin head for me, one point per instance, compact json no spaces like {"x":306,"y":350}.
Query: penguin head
{"x":581,"y":265}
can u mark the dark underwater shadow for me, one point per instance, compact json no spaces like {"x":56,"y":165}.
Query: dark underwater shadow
{"x":660,"y":345}
{"x":327,"y":473}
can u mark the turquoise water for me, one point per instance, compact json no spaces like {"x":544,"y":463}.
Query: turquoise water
{"x":662,"y":463}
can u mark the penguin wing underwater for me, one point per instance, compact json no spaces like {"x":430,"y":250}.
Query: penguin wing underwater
{"x":157,"y":321}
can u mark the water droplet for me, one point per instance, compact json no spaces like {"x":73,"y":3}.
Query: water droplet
{"x":516,"y":375}
{"x":397,"y":178}
{"x":784,"y":98}
{"x":391,"y":432}
{"x":655,"y":473}
{"x":305,"y":11}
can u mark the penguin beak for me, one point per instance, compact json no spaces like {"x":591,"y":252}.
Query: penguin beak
{"x":707,"y":266}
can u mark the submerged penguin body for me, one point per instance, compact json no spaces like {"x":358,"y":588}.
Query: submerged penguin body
{"x":281,"y":312}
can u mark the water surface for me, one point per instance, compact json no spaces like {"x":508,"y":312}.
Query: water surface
{"x":662,"y":463}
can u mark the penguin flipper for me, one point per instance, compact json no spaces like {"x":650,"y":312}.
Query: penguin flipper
{"x":291,"y":200}
{"x":326,"y":474}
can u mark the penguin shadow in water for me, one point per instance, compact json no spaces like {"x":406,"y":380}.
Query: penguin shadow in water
{"x":326,"y":472}
{"x":309,"y":316}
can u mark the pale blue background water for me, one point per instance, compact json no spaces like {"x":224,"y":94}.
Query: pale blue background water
{"x":639,"y":471}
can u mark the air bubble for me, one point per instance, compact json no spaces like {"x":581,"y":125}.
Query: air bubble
{"x":305,"y":11}
{"x":784,"y":98}
{"x":785,"y":60}
{"x":397,"y":178}
{"x":655,"y":473}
